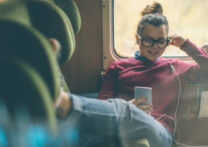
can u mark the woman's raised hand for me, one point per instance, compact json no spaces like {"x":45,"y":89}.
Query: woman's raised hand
{"x":176,"y":40}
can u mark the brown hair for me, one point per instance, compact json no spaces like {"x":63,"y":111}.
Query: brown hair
{"x":154,"y":8}
{"x":152,"y":14}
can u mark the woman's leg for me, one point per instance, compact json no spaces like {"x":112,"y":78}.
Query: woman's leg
{"x":116,"y":117}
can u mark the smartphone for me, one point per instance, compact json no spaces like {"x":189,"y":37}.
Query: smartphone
{"x":140,"y":92}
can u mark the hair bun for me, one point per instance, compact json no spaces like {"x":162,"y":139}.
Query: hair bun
{"x":154,"y":8}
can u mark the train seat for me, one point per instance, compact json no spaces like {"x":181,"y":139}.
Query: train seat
{"x":52,"y":23}
{"x":72,"y":11}
{"x":22,"y":88}
{"x":25,"y":43}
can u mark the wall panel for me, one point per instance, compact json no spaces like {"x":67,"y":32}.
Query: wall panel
{"x":82,"y":73}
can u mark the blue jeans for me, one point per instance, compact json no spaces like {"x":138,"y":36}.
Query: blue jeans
{"x":100,"y":119}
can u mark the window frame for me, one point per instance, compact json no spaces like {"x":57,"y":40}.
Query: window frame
{"x":109,"y":52}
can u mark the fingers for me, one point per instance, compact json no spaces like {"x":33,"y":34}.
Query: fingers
{"x":176,"y":40}
{"x":148,"y":111}
{"x":172,"y":39}
{"x":138,"y":101}
{"x":132,"y":101}
{"x":146,"y":108}
{"x":141,"y":104}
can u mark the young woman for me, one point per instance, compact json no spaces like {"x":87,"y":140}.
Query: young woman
{"x":147,"y":68}
{"x":122,"y":119}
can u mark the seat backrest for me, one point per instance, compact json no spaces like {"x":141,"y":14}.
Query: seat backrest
{"x":51,"y":21}
{"x":14,"y":10}
{"x":22,"y":88}
{"x":25,"y":43}
{"x":45,"y":16}
{"x":72,"y":11}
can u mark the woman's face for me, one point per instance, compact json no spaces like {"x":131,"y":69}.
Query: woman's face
{"x":158,"y":35}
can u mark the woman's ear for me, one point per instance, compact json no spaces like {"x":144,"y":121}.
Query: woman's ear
{"x":137,"y":39}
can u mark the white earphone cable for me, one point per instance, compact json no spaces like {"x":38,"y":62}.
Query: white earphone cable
{"x":177,"y":107}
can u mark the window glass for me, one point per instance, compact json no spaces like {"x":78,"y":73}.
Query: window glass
{"x":187,"y":18}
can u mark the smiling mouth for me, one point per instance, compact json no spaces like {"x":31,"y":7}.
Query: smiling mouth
{"x":153,"y":52}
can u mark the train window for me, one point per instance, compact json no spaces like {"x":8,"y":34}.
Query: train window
{"x":187,"y":18}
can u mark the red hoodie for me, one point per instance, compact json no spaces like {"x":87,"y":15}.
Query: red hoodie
{"x":124,"y":74}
